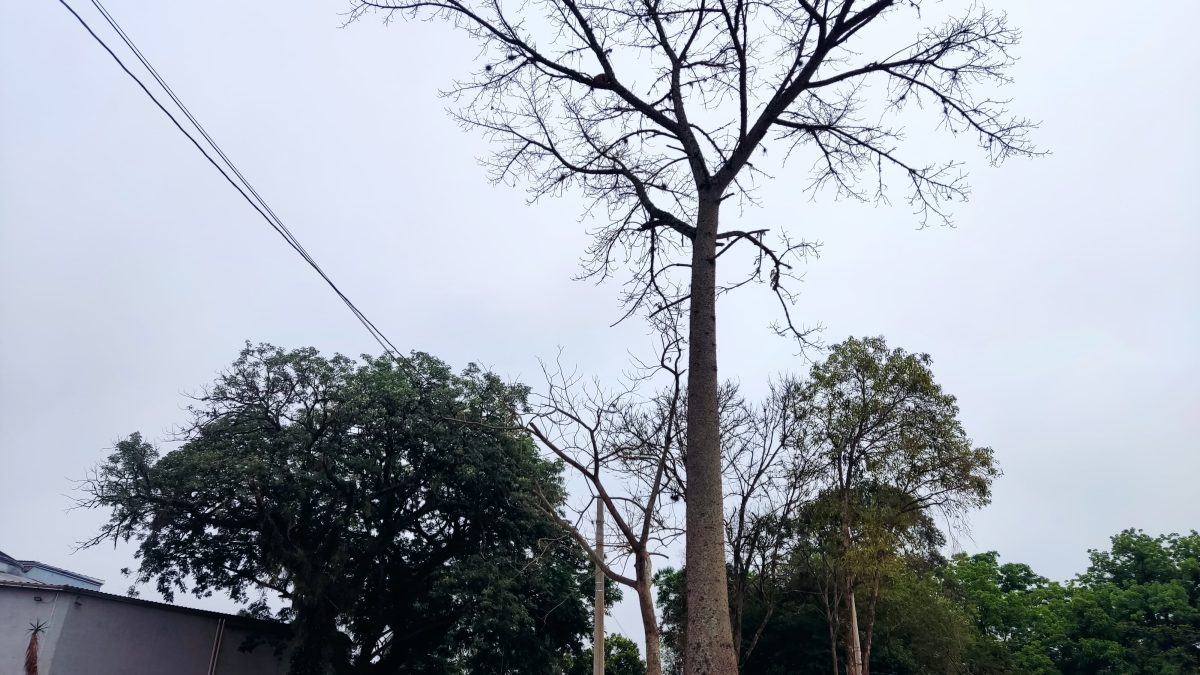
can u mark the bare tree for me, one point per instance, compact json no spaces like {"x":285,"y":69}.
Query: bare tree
{"x":627,"y":450}
{"x":768,"y":478}
{"x":630,"y":452}
{"x":653,"y":111}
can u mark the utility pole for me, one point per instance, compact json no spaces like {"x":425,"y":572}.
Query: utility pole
{"x":598,"y":636}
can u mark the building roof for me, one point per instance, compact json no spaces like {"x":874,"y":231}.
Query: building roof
{"x":18,"y":568}
{"x":6,"y":578}
{"x":9,"y":581}
{"x":30,"y":564}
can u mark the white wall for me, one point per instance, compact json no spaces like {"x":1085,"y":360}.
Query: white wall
{"x":110,"y":636}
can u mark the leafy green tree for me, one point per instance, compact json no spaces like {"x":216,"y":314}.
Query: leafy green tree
{"x":381,"y":501}
{"x":920,"y":629}
{"x":1136,"y":609}
{"x":621,"y":657}
{"x":1018,"y":616}
{"x":894,"y":449}
{"x":889,"y":541}
{"x":1133,"y":612}
{"x":671,"y":587}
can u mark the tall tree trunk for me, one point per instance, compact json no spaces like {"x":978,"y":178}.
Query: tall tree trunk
{"x":645,"y":593}
{"x":709,"y":647}
{"x":833,"y":648}
{"x":853,"y":644}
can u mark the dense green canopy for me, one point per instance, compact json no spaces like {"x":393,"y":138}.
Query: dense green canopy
{"x":1135,"y":611}
{"x":384,"y":502}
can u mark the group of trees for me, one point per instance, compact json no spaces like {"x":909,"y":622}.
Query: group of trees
{"x":404,"y":514}
{"x":1135,"y":611}
{"x":848,"y":464}
{"x":401,"y":517}
{"x":660,"y":114}
{"x":840,"y":478}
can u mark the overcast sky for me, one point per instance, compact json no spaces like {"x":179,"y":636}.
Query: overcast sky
{"x":1063,"y":310}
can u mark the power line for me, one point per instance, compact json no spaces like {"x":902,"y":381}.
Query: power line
{"x":200,"y":127}
{"x":246,"y":189}
{"x":260,"y":205}
{"x":273,"y":220}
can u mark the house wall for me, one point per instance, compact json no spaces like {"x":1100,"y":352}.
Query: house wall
{"x":103,"y":636}
{"x":19,"y":609}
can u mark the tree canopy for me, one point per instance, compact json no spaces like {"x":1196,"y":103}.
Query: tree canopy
{"x":382,"y":502}
{"x":393,"y":513}
{"x":1134,"y":611}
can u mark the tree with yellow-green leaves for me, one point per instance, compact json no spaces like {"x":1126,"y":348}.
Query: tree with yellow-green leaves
{"x":894,"y":453}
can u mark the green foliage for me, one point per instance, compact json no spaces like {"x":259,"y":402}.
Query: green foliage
{"x":1137,"y":608}
{"x":890,"y":448}
{"x":671,"y":593}
{"x":874,"y":446}
{"x":1134,"y":611}
{"x":882,"y":448}
{"x":1017,"y":614}
{"x":385,"y":502}
{"x":395,"y":511}
{"x":621,"y":657}
{"x":878,"y":416}
{"x":920,"y":630}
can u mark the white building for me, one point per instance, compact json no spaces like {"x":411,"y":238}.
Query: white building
{"x":87,"y":631}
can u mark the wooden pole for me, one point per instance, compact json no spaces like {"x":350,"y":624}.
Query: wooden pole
{"x":598,"y":636}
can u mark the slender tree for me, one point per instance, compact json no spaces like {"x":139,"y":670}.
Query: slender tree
{"x":627,"y":450}
{"x":769,"y":477}
{"x":654,"y":110}
{"x":894,"y":450}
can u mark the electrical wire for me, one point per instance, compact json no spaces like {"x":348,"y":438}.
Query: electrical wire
{"x":260,"y":205}
{"x":204,"y":132}
{"x":245,"y":189}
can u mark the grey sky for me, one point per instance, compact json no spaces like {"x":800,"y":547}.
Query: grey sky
{"x":1063,"y":311}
